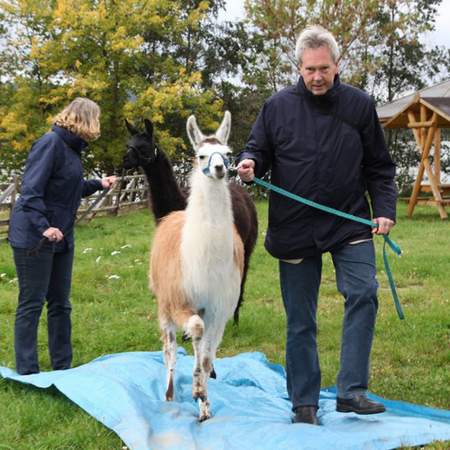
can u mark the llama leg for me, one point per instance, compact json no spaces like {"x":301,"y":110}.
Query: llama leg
{"x":211,"y":339}
{"x":195,"y":328}
{"x":206,"y":368}
{"x":213,"y":343}
{"x":170,"y":357}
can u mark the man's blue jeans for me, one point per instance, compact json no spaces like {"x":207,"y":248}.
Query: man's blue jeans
{"x":46,"y":276}
{"x":355,"y":277}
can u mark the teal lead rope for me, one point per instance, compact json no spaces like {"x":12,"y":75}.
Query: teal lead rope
{"x":394,"y":247}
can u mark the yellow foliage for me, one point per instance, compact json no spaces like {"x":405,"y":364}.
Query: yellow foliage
{"x":98,"y":50}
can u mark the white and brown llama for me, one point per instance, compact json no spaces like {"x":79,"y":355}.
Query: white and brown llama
{"x":197,"y":262}
{"x":166,"y":195}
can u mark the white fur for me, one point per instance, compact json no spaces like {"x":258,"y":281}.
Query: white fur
{"x":211,"y":279}
{"x":223,"y":133}
{"x":196,"y":136}
{"x":193,"y":132}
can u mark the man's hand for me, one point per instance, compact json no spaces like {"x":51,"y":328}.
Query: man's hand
{"x":108,"y":181}
{"x":246,"y":170}
{"x":384,"y":225}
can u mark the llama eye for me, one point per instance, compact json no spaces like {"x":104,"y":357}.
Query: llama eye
{"x":202,"y":156}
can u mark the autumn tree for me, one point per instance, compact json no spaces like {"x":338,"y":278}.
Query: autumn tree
{"x":98,"y":49}
{"x":380,"y":40}
{"x":382,"y":50}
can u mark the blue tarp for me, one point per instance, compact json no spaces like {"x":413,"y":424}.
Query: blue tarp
{"x":249,"y":403}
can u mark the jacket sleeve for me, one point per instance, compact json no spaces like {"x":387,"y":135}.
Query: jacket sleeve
{"x":38,"y":170}
{"x":259,"y":145}
{"x":91,"y":186}
{"x":378,"y":168}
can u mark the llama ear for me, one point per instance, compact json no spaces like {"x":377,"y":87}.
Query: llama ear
{"x":131,"y":129}
{"x":148,"y":127}
{"x":193,"y":132}
{"x":223,"y":133}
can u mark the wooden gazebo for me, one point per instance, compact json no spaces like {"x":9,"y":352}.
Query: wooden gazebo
{"x":425,"y":113}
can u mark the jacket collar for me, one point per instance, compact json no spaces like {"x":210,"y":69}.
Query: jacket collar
{"x":329,"y":97}
{"x":75,"y":142}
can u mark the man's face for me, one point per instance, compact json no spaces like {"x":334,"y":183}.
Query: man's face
{"x":318,"y":70}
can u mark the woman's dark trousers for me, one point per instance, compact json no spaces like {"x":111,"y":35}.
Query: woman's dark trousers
{"x":46,"y":276}
{"x":355,"y":277}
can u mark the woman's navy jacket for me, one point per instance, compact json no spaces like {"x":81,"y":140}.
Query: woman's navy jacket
{"x":52,"y":187}
{"x":329,"y":149}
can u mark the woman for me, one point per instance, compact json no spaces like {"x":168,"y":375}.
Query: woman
{"x":41,"y":232}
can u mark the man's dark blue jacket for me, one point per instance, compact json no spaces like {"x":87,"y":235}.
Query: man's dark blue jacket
{"x":52,"y":187}
{"x":329,"y":149}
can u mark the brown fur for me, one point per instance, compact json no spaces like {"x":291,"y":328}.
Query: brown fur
{"x":238,"y":251}
{"x":165,"y":269}
{"x":211,"y":140}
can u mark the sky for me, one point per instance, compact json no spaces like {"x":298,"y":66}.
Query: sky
{"x":441,"y":36}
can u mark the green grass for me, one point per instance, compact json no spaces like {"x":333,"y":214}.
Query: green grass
{"x":410,"y":359}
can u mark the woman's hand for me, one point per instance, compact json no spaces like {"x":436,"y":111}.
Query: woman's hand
{"x":53,"y":234}
{"x":108,"y":181}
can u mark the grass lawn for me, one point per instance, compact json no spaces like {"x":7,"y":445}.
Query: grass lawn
{"x":113,"y":312}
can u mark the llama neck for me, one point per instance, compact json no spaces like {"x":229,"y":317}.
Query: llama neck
{"x":207,"y":246}
{"x":209,"y":202}
{"x":165,"y":194}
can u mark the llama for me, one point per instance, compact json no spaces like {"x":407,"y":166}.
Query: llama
{"x":166,"y":196}
{"x":197,"y":263}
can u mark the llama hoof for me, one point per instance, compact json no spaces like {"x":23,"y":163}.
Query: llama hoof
{"x":185,"y":337}
{"x":169,"y":391}
{"x":204,"y":417}
{"x":203,"y":410}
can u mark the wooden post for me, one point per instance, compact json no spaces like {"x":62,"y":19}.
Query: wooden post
{"x":120,"y":180}
{"x":437,"y":155}
{"x":425,"y":133}
{"x":416,"y":188}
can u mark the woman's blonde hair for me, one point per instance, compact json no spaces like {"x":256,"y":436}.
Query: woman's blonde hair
{"x":81,"y":117}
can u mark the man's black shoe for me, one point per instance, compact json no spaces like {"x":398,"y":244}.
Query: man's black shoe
{"x":306,"y":414}
{"x":360,"y":404}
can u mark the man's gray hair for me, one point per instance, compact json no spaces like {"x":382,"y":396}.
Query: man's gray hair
{"x":316,"y":36}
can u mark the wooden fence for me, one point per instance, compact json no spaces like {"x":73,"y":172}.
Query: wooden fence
{"x":8,"y":196}
{"x":129,"y":192}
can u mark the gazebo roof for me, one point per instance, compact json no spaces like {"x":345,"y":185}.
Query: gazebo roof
{"x":436,"y":98}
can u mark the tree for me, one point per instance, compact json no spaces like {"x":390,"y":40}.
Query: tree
{"x":403,"y":64}
{"x":280,"y":22}
{"x":97,"y":48}
{"x":403,"y":61}
{"x":380,"y":42}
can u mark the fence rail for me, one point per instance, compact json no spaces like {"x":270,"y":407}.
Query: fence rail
{"x":130,"y":192}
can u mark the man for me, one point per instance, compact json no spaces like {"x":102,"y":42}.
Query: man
{"x":322,"y":140}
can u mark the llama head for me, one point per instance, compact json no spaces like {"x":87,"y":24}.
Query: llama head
{"x":212,"y":152}
{"x":141,"y":148}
